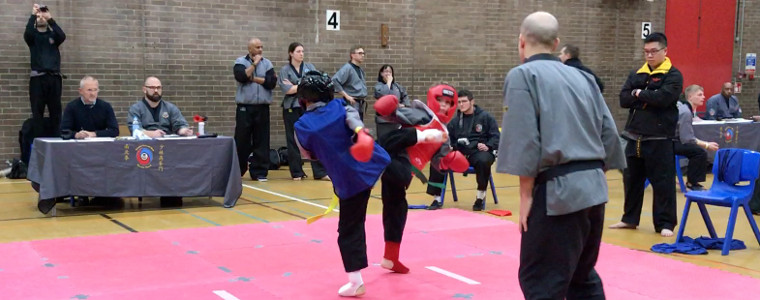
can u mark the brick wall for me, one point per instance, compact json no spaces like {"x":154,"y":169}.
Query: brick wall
{"x":750,"y":43}
{"x":191,"y":45}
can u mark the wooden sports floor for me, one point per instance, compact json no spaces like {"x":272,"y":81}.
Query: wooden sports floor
{"x":282,"y":199}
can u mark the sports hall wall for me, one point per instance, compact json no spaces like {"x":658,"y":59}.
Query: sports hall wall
{"x":191,"y":45}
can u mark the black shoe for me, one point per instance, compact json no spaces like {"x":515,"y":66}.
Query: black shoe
{"x":479,"y":205}
{"x":435,"y":205}
{"x":695,"y":187}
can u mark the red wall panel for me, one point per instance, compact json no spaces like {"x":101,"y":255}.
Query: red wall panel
{"x":701,"y":41}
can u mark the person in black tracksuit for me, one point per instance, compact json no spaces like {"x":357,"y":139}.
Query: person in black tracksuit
{"x":570,"y":55}
{"x":475,"y":133}
{"x":44,"y":36}
{"x":650,"y":94}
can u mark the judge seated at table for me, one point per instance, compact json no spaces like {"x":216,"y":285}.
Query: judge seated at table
{"x":724,"y":105}
{"x":689,"y":146}
{"x":88,"y":116}
{"x":157,"y":117}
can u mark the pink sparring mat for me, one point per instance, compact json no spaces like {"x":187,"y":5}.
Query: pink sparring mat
{"x":452,"y":254}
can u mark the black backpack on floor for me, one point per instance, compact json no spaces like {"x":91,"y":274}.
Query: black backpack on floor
{"x":18,"y":169}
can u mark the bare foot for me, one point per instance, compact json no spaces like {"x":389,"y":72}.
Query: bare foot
{"x":352,"y":290}
{"x":622,"y":225}
{"x":666,"y":233}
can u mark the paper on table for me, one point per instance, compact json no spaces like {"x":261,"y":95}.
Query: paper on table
{"x":97,"y":139}
{"x":707,"y":122}
{"x":738,"y":120}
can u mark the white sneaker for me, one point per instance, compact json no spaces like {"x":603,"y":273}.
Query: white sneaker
{"x":262,"y":179}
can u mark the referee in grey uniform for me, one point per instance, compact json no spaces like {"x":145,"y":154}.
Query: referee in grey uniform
{"x":255,"y":79}
{"x":561,"y":140}
{"x":350,"y":83}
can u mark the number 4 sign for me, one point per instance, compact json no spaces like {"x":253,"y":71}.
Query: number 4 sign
{"x":333,"y":20}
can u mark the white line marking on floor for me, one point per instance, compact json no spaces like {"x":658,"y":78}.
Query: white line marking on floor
{"x":287,"y":197}
{"x":452,"y":275}
{"x":225,"y":295}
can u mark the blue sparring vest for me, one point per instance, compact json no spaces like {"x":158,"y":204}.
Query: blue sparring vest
{"x":324,"y":133}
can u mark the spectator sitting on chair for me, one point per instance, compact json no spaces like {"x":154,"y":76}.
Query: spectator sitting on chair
{"x":689,"y":146}
{"x":724,"y":105}
{"x":88,"y":115}
{"x":475,"y":133}
{"x":157,"y":117}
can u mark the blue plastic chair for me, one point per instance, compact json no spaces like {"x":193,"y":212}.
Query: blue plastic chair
{"x":679,"y":175}
{"x":470,"y":170}
{"x":724,"y":194}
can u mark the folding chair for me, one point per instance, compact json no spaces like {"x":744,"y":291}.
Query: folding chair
{"x":731,"y":166}
{"x":679,"y":175}
{"x":470,"y":170}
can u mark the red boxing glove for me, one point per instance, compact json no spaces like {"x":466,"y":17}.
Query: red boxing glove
{"x":386,"y":105}
{"x":454,"y":161}
{"x":362,"y":149}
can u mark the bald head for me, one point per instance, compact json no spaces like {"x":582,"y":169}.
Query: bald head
{"x":152,"y":81}
{"x":727,"y":90}
{"x":540,"y":28}
{"x":255,"y":47}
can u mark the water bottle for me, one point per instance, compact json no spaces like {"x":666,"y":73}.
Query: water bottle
{"x":136,"y":128}
{"x":201,"y":128}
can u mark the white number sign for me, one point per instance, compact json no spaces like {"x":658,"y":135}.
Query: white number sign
{"x":333,"y":20}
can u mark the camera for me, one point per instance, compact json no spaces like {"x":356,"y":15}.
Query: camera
{"x":43,"y":8}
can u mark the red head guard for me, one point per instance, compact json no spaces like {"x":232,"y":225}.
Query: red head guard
{"x":448,"y":93}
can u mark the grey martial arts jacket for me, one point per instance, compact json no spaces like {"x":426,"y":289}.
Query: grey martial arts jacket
{"x":555,"y":115}
{"x":170,"y":119}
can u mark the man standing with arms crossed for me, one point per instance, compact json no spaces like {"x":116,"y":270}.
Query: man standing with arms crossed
{"x":255,"y":80}
{"x":650,"y":95}
{"x":567,"y":138}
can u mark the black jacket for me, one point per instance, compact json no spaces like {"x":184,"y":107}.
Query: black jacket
{"x":576,"y":63}
{"x":654,"y":112}
{"x":482,"y":129}
{"x":43,"y":46}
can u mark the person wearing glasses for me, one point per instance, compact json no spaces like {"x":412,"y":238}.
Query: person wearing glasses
{"x":724,"y":105}
{"x":349,"y":81}
{"x":157,"y":117}
{"x":475,"y":133}
{"x":650,"y":94}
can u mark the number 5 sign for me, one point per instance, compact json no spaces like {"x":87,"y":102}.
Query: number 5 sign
{"x":333,"y":19}
{"x":646,"y":29}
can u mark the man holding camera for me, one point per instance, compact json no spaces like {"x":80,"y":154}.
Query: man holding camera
{"x":475,"y":133}
{"x":43,"y":36}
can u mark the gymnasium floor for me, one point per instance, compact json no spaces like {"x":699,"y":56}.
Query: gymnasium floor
{"x":281,"y":199}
